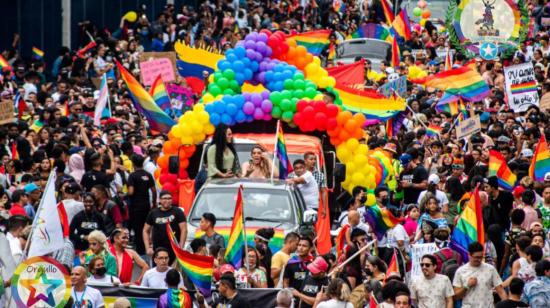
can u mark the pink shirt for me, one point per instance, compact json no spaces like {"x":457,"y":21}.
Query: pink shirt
{"x":410,"y":226}
{"x":531,"y":216}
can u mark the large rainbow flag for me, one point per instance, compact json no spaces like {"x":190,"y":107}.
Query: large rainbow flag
{"x":285,"y":166}
{"x":464,"y":82}
{"x":235,"y":245}
{"x":402,"y":25}
{"x":144,"y":102}
{"x":540,"y":163}
{"x":453,"y":107}
{"x":313,"y":41}
{"x":197,"y":268}
{"x":372,"y":30}
{"x":372,"y":104}
{"x":159,"y":93}
{"x":469,"y":227}
{"x":387,"y":8}
{"x":499,"y":168}
{"x":380,"y":220}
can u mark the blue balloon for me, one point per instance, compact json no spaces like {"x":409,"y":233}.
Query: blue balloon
{"x":223,"y":65}
{"x":239,"y":77}
{"x":209,"y":108}
{"x":279,"y":86}
{"x":240,"y":52}
{"x":219,"y":107}
{"x":247,"y":74}
{"x":279,"y":67}
{"x":215,"y":119}
{"x":240,"y":117}
{"x":238,"y":66}
{"x":231,"y":57}
{"x":278,"y":76}
{"x":249,"y":118}
{"x":255,"y":66}
{"x":239,"y":101}
{"x":231,"y":109}
{"x":246,"y":62}
{"x":269,"y":76}
{"x":226,"y":119}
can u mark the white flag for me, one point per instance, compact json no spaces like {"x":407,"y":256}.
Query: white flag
{"x":102,"y":100}
{"x":47,"y":233}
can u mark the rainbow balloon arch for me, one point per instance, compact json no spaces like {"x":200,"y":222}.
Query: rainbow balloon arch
{"x":268,"y":76}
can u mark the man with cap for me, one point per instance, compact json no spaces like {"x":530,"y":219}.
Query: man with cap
{"x":315,"y":280}
{"x":71,"y":199}
{"x":154,"y":231}
{"x":33,"y":191}
{"x":414,"y":178}
{"x":500,"y":204}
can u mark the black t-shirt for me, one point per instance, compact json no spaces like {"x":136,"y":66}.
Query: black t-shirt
{"x":236,"y":302}
{"x":311,"y":287}
{"x":499,"y":210}
{"x":94,"y":177}
{"x":142,"y":181}
{"x":511,"y":304}
{"x":295,"y":272}
{"x":415,"y":176}
{"x":158,"y":218}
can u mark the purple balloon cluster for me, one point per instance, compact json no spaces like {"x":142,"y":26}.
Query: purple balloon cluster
{"x":247,"y":107}
{"x":258,"y":105}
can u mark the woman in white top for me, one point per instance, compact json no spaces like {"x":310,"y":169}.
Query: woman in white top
{"x":524,"y":267}
{"x":98,"y":272}
{"x":336,"y":295}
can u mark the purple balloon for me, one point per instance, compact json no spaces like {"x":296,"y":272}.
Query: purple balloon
{"x":256,"y":99}
{"x":268,"y":52}
{"x":254,"y":36}
{"x":259,"y":56}
{"x":258,"y":114}
{"x":267,"y":117}
{"x":261,"y":77}
{"x":251,"y":54}
{"x":260,"y":47}
{"x":267,"y":105}
{"x":248,"y":108}
{"x":249,"y":44}
{"x":246,"y":96}
{"x":263,"y":66}
{"x":265,"y":94}
{"x":262,"y":37}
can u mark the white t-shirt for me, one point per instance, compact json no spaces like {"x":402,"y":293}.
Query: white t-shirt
{"x":431,"y":292}
{"x":90,"y":298}
{"x":332,"y":303}
{"x":309,"y":190}
{"x":155,"y":279}
{"x":72,"y":207}
{"x":482,"y":294}
{"x":397,"y":233}
{"x":15,"y":247}
{"x":108,"y":279}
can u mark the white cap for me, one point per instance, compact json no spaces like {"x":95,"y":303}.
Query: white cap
{"x":433,"y":178}
{"x":527,"y":153}
{"x":547,"y":177}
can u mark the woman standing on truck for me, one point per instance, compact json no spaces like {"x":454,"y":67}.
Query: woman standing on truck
{"x":221,"y":155}
{"x":259,"y":166}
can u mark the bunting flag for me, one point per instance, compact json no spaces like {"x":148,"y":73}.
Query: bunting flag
{"x":235,"y":245}
{"x":4,"y":64}
{"x":37,"y":53}
{"x":380,"y":220}
{"x":352,"y":75}
{"x":101,"y":110}
{"x":387,"y":8}
{"x":372,"y":30}
{"x":82,"y":52}
{"x":285,"y":166}
{"x":20,"y":105}
{"x":540,"y":163}
{"x":433,"y":131}
{"x":341,"y":240}
{"x":159,"y":94}
{"x":402,"y":25}
{"x":313,"y":41}
{"x":197,"y":268}
{"x":372,"y":104}
{"x":395,"y":53}
{"x":157,"y":119}
{"x":469,"y":227}
{"x":275,"y":244}
{"x":499,"y":168}
{"x":464,"y":82}
{"x":393,"y":267}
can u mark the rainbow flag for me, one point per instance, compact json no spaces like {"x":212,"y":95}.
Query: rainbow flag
{"x":469,"y":227}
{"x":499,"y":168}
{"x":275,"y":244}
{"x":540,"y":163}
{"x":433,"y":131}
{"x":331,"y":52}
{"x":340,"y":240}
{"x":313,"y":41}
{"x":529,"y":86}
{"x":388,"y":11}
{"x":380,"y":220}
{"x":393,"y":267}
{"x":402,"y":25}
{"x":395,"y":54}
{"x":448,"y":60}
{"x":372,"y":104}
{"x":372,"y":30}
{"x":339,"y":6}
{"x":4,"y":64}
{"x":37,"y":53}
{"x":197,"y":268}
{"x":235,"y":245}
{"x":463,"y":82}
{"x":157,"y":119}
{"x":178,"y":299}
{"x":453,"y":107}
{"x":80,"y":53}
{"x":285,"y":166}
{"x":159,"y":94}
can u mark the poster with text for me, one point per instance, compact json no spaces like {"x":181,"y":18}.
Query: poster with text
{"x":521,"y":86}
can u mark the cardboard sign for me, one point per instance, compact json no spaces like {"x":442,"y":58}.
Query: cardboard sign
{"x":544,"y":103}
{"x":417,"y":251}
{"x":154,"y":63}
{"x":521,"y":86}
{"x":399,"y":86}
{"x":6,"y":112}
{"x":468,"y":127}
{"x":182,"y":95}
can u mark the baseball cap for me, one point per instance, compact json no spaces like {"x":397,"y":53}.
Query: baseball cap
{"x":72,"y":188}
{"x":503,"y":139}
{"x":75,"y":150}
{"x":227,"y":268}
{"x":433,"y":178}
{"x":527,"y":152}
{"x":318,"y":265}
{"x":390,"y":147}
{"x":405,"y":159}
{"x":29,"y":188}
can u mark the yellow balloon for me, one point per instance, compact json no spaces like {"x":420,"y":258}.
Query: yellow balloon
{"x":203,"y":117}
{"x":362,"y":149}
{"x":350,"y":167}
{"x":343,"y":154}
{"x":198,"y":107}
{"x":197,"y":138}
{"x":371,"y":200}
{"x":358,"y":178}
{"x":187,"y":140}
{"x":352,"y":144}
{"x":176,"y":131}
{"x":318,"y":97}
{"x":332,"y":82}
{"x":360,"y":160}
{"x":317,"y":60}
{"x":131,"y":16}
{"x":422,"y":22}
{"x":209,"y":129}
{"x":196,"y":127}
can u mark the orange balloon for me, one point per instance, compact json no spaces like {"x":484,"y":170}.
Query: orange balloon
{"x":359,"y":118}
{"x":189,"y":150}
{"x":357,"y":134}
{"x":168,"y":148}
{"x":309,"y":58}
{"x":156,"y":174}
{"x":163,"y":161}
{"x":426,"y":14}
{"x":292,"y":43}
{"x":176,"y":143}
{"x":335,"y":140}
{"x":301,"y":63}
{"x":343,"y":117}
{"x":301,"y":51}
{"x":291,"y":54}
{"x":344,"y":135}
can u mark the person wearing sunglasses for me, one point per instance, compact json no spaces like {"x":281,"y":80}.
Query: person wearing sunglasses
{"x":431,"y":289}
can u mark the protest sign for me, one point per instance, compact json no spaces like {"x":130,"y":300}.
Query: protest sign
{"x":468,"y":127}
{"x":417,"y":251}
{"x":154,"y":63}
{"x":183,"y":95}
{"x":521,"y":86}
{"x":398,"y":85}
{"x":6,"y":112}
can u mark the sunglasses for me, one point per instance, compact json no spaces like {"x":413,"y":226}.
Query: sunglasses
{"x":425,"y":264}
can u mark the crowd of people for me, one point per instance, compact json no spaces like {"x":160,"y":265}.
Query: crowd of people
{"x":117,"y":211}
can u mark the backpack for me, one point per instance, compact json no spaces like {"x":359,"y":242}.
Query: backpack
{"x":449,"y":265}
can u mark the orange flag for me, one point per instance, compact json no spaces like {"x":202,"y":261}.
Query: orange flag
{"x":393,"y":267}
{"x":322,"y":228}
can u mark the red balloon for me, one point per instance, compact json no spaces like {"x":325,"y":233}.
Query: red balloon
{"x":321,"y":121}
{"x":308,"y":126}
{"x":331,"y":123}
{"x":298,"y":118}
{"x":320,"y":107}
{"x":168,"y":178}
{"x":171,"y":187}
{"x":301,"y":105}
{"x":183,"y":174}
{"x":332,"y":110}
{"x":309,"y":112}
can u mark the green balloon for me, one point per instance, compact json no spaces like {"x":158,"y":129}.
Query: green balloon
{"x":287,"y":116}
{"x":298,"y":76}
{"x":286,"y":94}
{"x":217,"y":76}
{"x":234,"y":85}
{"x":229,"y":74}
{"x":286,"y":104}
{"x":214,"y":89}
{"x":299,"y":84}
{"x":276,"y":98}
{"x":294,"y":102}
{"x":310,"y":93}
{"x":298,"y":93}
{"x":417,"y":11}
{"x":228,"y":92}
{"x":276,"y":112}
{"x":289,"y":84}
{"x":223,"y":83}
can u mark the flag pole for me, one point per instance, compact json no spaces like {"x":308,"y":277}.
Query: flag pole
{"x":108,"y":95}
{"x":241,"y":191}
{"x":275,"y":151}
